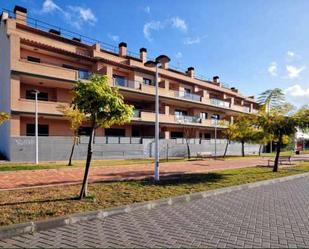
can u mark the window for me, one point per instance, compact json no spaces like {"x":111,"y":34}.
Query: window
{"x":33,"y":59}
{"x":147,"y":81}
{"x":43,"y":130}
{"x":83,"y":74}
{"x":113,"y":132}
{"x":180,"y":113}
{"x":203,"y":115}
{"x":84,"y":131}
{"x":205,"y":136}
{"x":176,"y":134}
{"x":215,"y":116}
{"x":187,"y":90}
{"x":119,"y":80}
{"x":41,"y":96}
{"x":68,"y":66}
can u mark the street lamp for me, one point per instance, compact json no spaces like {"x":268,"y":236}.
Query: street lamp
{"x":215,"y":118}
{"x":162,"y":59}
{"x":36,"y":93}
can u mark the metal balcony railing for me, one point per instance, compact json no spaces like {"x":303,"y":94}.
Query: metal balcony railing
{"x":187,"y":119}
{"x":246,"y":109}
{"x":136,"y":113}
{"x":220,"y":103}
{"x":84,"y":75}
{"x":127,"y":83}
{"x":189,"y":96}
{"x":219,"y":122}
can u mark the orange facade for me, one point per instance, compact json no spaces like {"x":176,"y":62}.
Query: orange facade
{"x":52,"y":64}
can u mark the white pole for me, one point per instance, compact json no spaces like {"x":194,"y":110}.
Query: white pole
{"x":36,"y":129}
{"x":216,"y":138}
{"x":157,"y":155}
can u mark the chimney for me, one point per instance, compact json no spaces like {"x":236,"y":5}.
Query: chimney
{"x":143,"y":54}
{"x":190,"y":72}
{"x":216,"y":79}
{"x":4,"y":16}
{"x":122,"y":49}
{"x":251,"y":97}
{"x":235,"y":90}
{"x":20,"y":14}
{"x":164,"y":64}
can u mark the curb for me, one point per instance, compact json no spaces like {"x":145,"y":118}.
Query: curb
{"x":37,"y":226}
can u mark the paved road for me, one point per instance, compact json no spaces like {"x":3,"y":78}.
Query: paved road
{"x":276,"y":215}
{"x":31,"y":178}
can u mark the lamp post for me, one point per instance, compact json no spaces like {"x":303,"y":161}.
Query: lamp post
{"x":215,"y":118}
{"x":36,"y":92}
{"x":156,"y":63}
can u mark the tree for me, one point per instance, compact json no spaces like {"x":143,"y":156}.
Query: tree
{"x":104,"y":107}
{"x":4,"y":117}
{"x":230,"y":134}
{"x":270,"y":99}
{"x":262,"y":139}
{"x":75,"y":117}
{"x":243,"y":130}
{"x":281,"y":127}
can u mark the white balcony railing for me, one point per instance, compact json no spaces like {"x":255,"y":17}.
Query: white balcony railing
{"x":127,"y":83}
{"x":220,"y":103}
{"x":219,"y":122}
{"x":189,"y":96}
{"x":187,"y":119}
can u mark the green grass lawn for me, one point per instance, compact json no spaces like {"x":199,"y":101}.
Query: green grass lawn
{"x":78,"y":163}
{"x":41,"y":203}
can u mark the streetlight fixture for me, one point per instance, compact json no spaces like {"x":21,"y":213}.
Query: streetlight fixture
{"x":36,"y":93}
{"x":162,"y":59}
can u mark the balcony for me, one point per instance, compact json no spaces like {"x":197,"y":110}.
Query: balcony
{"x":127,"y":83}
{"x":28,"y":105}
{"x":219,"y":103}
{"x":187,"y":119}
{"x":84,"y":75}
{"x":46,"y":70}
{"x":246,"y":109}
{"x":189,"y":96}
{"x":219,"y":122}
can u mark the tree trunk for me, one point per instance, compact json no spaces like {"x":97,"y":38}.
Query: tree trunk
{"x":84,"y":189}
{"x":260,"y":149}
{"x":188,"y":149}
{"x":225,"y":151}
{"x":242,"y":148}
{"x":278,"y":150}
{"x":72,"y":151}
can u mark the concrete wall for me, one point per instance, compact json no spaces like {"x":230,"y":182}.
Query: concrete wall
{"x":58,"y":148}
{"x":4,"y":89}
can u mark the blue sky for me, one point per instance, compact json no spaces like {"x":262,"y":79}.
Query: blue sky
{"x":252,"y":45}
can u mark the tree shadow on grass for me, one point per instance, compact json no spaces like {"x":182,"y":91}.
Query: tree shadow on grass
{"x":179,"y":179}
{"x":42,"y":201}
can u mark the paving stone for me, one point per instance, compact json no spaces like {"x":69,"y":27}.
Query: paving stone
{"x":271,"y":216}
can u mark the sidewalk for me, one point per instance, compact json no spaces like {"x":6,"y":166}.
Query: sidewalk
{"x":33,"y":178}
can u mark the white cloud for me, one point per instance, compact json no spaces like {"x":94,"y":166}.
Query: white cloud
{"x":297,"y":91}
{"x":290,"y":54}
{"x":85,"y":14}
{"x":50,"y":6}
{"x":179,"y":23}
{"x":151,"y":26}
{"x":178,"y":55}
{"x":173,"y":22}
{"x":297,"y":94}
{"x":114,"y":38}
{"x":74,"y":15}
{"x":273,"y":69}
{"x":293,"y":72}
{"x":192,"y":40}
{"x":147,"y":9}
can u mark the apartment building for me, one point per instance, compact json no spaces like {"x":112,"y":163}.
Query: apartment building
{"x":37,"y":56}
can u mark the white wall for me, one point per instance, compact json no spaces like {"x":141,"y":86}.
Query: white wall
{"x":5,"y":92}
